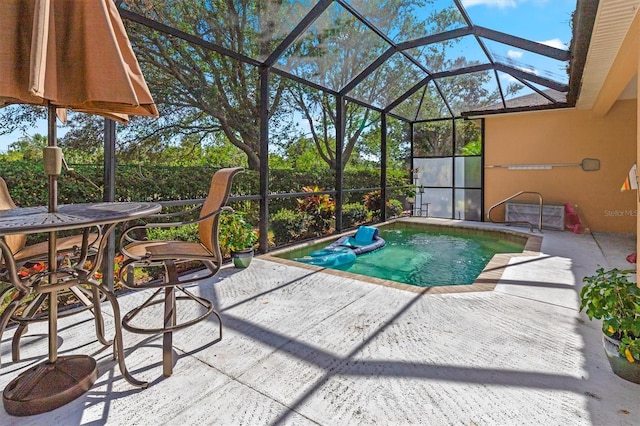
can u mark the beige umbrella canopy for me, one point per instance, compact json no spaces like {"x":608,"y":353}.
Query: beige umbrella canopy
{"x":72,"y":54}
{"x":69,"y":54}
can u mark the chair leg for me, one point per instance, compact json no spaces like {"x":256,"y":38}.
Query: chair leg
{"x":171,"y":286}
{"x":118,"y":344}
{"x":169,"y":319}
{"x":219,"y":324}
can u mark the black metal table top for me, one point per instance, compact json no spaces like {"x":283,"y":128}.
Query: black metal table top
{"x":24,"y":220}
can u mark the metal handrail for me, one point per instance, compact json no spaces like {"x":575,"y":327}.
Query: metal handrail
{"x":517,"y":222}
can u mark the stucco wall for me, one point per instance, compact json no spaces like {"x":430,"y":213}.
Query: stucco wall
{"x":567,"y":136}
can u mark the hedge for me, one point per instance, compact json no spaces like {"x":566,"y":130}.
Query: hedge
{"x":28,"y":184}
{"x":28,"y":187}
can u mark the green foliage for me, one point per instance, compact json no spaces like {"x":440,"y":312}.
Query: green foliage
{"x":84,"y":139}
{"x":319,"y":209}
{"x":611,"y":297}
{"x":178,"y":233}
{"x":28,"y":184}
{"x":353,"y":214}
{"x":299,"y":154}
{"x":433,"y":138}
{"x":291,"y":180}
{"x":287,"y":225}
{"x":373,"y":201}
{"x":373,"y":205}
{"x":394,"y":208}
{"x":236,"y":234}
{"x":30,"y":147}
{"x":28,"y":187}
{"x":472,"y":148}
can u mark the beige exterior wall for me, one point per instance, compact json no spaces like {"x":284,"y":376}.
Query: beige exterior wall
{"x":567,"y":136}
{"x":607,"y":130}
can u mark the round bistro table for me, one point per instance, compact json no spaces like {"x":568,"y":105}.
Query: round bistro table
{"x":60,"y":380}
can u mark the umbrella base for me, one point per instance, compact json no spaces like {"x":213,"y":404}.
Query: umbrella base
{"x":48,"y":385}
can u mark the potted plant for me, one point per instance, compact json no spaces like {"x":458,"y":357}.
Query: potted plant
{"x":613,"y":298}
{"x":238,"y":237}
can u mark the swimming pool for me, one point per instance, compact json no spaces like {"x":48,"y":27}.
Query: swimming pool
{"x":426,"y":256}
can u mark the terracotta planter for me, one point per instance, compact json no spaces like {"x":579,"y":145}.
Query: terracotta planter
{"x":619,"y":364}
{"x":242,"y":259}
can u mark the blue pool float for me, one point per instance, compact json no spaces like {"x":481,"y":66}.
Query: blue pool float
{"x":329,"y":257}
{"x":345,"y":249}
{"x":365,"y":240}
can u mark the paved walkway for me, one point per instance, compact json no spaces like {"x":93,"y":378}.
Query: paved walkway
{"x":305,"y":347}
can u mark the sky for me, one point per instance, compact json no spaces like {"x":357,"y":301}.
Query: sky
{"x":544,"y":21}
{"x":6,"y":140}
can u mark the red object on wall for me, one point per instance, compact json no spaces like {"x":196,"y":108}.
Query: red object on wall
{"x":571,"y":219}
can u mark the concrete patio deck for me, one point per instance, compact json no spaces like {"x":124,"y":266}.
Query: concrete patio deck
{"x":306,"y":347}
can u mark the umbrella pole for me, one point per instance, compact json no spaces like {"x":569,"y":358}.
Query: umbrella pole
{"x":52,"y":172}
{"x":60,"y":380}
{"x":51,"y":157}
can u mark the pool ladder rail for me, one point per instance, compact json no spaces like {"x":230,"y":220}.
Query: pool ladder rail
{"x":517,"y":222}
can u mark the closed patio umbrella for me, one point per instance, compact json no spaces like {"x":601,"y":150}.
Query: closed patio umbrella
{"x":72,"y":54}
{"x":67,"y":54}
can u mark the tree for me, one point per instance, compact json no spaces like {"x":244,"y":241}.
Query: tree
{"x":300,"y":154}
{"x":334,"y":51}
{"x":29,"y":146}
{"x":84,"y":141}
{"x":20,"y":117}
{"x":203,"y":91}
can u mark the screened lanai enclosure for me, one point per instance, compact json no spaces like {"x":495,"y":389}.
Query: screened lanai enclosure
{"x":334,"y":106}
{"x":341,"y":102}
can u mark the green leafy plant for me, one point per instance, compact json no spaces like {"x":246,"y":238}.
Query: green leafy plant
{"x":353,"y":214}
{"x":236,"y":234}
{"x":408,"y":191}
{"x":472,"y":148}
{"x":373,"y":201}
{"x":394,"y":208}
{"x":177,"y":233}
{"x":611,"y":297}
{"x":288,"y":225}
{"x":320,"y":208}
{"x":373,"y":204}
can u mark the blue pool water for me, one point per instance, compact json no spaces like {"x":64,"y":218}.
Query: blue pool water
{"x":426,"y":258}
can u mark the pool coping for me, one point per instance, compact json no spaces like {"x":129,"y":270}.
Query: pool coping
{"x":486,"y":281}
